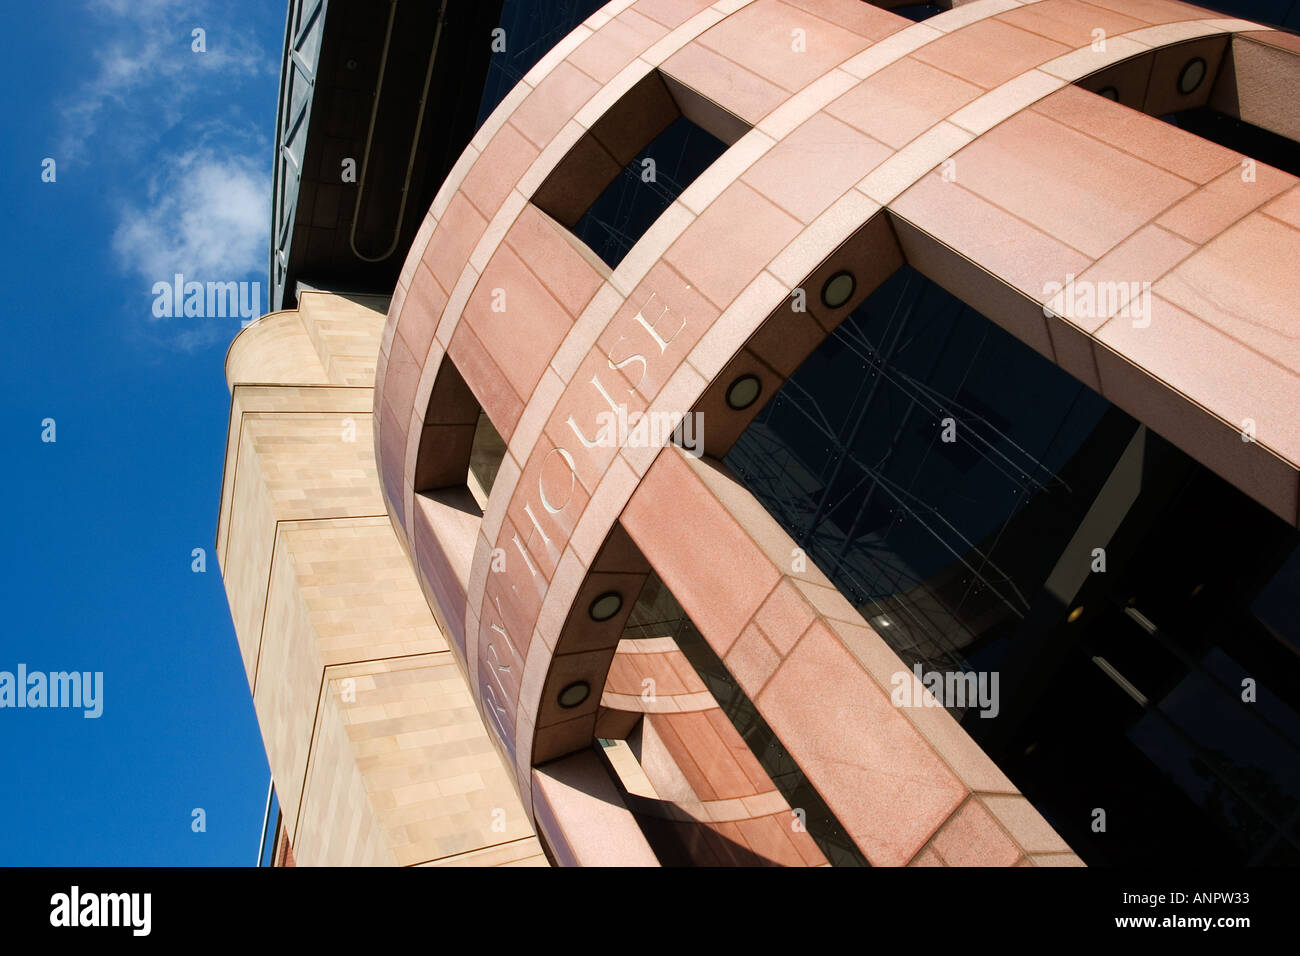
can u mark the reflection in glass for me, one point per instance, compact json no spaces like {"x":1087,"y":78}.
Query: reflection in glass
{"x":986,"y":512}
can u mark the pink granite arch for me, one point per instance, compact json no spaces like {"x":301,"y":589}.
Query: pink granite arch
{"x":913,"y":127}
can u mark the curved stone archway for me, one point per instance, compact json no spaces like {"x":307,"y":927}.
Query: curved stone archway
{"x":545,"y":337}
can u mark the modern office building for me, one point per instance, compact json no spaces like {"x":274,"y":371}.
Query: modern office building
{"x":776,"y":432}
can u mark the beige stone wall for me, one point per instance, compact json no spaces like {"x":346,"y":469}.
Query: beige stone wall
{"x":347,"y":351}
{"x":337,"y":824}
{"x":438,"y":787}
{"x":378,"y":753}
{"x":274,"y":349}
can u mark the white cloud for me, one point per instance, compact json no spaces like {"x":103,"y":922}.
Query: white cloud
{"x":122,"y":8}
{"x":207,"y":216}
{"x":145,"y":69}
{"x":172,"y":134}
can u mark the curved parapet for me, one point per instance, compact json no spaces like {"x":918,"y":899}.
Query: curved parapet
{"x":275,"y":348}
{"x":330,"y":339}
{"x":858,"y":142}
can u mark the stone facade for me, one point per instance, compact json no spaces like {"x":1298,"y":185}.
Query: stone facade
{"x":378,"y":755}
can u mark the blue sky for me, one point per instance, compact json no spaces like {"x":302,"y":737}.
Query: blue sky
{"x":163,"y":165}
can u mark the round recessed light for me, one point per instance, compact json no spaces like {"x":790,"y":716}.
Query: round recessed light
{"x":1191,"y":76}
{"x":838,"y":289}
{"x":574,"y":694}
{"x":1075,"y":614}
{"x":1109,"y":92}
{"x":605,"y":606}
{"x":744,"y":392}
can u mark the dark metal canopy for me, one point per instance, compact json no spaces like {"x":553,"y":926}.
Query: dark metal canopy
{"x":377,"y":101}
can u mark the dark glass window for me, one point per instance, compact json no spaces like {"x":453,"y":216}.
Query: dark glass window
{"x":918,"y":11}
{"x":1245,"y":138}
{"x":942,"y":543}
{"x":1282,"y":13}
{"x":645,"y":188}
{"x":532,"y":28}
{"x":1164,"y":690}
{"x":485,"y":458}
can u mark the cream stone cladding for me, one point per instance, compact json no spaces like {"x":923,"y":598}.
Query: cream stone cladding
{"x":378,"y":754}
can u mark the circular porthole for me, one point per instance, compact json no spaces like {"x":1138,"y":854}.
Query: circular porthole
{"x":838,"y":289}
{"x":605,"y":606}
{"x":574,"y":694}
{"x":743,"y":392}
{"x":1109,"y":92}
{"x":1191,"y":76}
